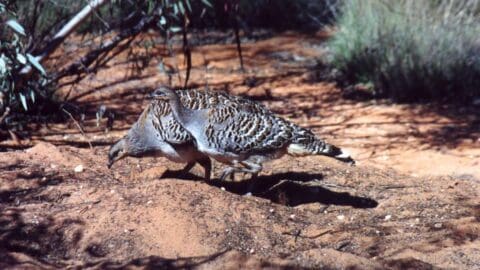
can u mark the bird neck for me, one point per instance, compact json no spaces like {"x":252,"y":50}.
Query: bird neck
{"x":181,"y":114}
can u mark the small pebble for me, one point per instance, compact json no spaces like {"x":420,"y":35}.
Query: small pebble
{"x":341,"y":217}
{"x":252,"y":251}
{"x":222,"y":188}
{"x":271,"y":210}
{"x":292,"y":216}
{"x":78,"y":169}
{"x":150,"y":202}
{"x":388,"y":217}
{"x":438,"y":225}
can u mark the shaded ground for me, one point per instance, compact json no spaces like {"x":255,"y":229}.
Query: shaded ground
{"x":413,"y":201}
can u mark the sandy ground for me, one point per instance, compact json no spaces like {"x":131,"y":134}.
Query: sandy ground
{"x":412,"y":201}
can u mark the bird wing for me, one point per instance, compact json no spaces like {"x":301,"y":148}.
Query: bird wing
{"x":236,"y":130}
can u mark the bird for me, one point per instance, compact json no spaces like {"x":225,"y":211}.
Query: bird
{"x":244,"y":139}
{"x":157,"y":133}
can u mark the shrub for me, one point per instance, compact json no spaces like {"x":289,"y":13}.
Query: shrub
{"x":15,"y":93}
{"x":410,"y":50}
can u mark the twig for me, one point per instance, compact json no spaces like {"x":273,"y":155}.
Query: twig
{"x":237,"y":37}
{"x":319,"y":235}
{"x":387,"y":187}
{"x":65,"y":31}
{"x":5,"y":114}
{"x":14,"y":137}
{"x":79,"y":128}
{"x":298,"y":234}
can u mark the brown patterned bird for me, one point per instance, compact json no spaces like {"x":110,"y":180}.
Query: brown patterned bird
{"x":243,"y":138}
{"x":158,"y":133}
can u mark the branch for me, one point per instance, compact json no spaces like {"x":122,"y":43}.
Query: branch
{"x":79,"y":128}
{"x":4,"y":115}
{"x":82,"y":64}
{"x":65,"y":31}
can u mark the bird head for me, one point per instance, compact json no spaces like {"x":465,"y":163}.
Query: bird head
{"x":117,"y":151}
{"x":162,"y":93}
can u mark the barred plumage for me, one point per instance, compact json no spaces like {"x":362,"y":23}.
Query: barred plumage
{"x":245,"y":138}
{"x":157,"y":133}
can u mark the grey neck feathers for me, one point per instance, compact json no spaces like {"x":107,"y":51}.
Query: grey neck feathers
{"x":136,"y":141}
{"x":182,"y":114}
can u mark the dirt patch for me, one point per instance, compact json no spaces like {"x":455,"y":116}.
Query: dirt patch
{"x":412,"y":202}
{"x":309,"y":212}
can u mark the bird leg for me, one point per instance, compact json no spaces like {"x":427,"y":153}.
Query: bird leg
{"x":246,"y":167}
{"x":251,"y":167}
{"x":229,"y":171}
{"x":187,"y":168}
{"x":254,"y":169}
{"x":206,"y":163}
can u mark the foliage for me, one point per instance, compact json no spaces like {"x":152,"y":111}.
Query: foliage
{"x":410,"y":50}
{"x":303,"y":15}
{"x":15,"y":94}
{"x":32,"y":25}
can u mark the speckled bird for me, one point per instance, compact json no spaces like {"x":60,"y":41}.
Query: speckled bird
{"x":158,"y":133}
{"x":242,"y":138}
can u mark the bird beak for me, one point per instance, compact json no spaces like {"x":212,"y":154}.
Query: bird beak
{"x":151,"y":95}
{"x":154,"y":95}
{"x":109,"y":164}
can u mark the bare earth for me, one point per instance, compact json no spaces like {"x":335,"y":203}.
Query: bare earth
{"x":412,"y":201}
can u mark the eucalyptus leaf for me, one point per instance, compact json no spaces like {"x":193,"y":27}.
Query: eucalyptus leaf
{"x":3,"y":65}
{"x":32,"y":96}
{"x":181,"y":8}
{"x":23,"y":100}
{"x":175,"y":8}
{"x":175,"y":29}
{"x":163,"y":21}
{"x":16,"y":27}
{"x":21,"y":58}
{"x":206,"y":2}
{"x":35,"y":63}
{"x":189,"y":6}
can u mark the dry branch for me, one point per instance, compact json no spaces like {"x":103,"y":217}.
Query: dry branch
{"x":79,"y":128}
{"x":81,"y":65}
{"x":65,"y":31}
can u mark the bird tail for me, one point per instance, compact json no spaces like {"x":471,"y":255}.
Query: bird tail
{"x":308,"y":144}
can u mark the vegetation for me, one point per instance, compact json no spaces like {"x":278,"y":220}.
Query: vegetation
{"x":410,"y":50}
{"x":35,"y":28}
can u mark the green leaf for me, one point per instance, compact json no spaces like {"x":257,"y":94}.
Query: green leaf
{"x":175,"y":8}
{"x":23,"y":100}
{"x":163,"y":21}
{"x":16,"y":27}
{"x":175,"y":29}
{"x":207,"y":3}
{"x":3,"y":65}
{"x":21,"y":58}
{"x":189,"y":6}
{"x":35,"y":63}
{"x":181,"y":8}
{"x":32,"y":96}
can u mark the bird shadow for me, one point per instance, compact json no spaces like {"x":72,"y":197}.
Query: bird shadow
{"x":289,"y":188}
